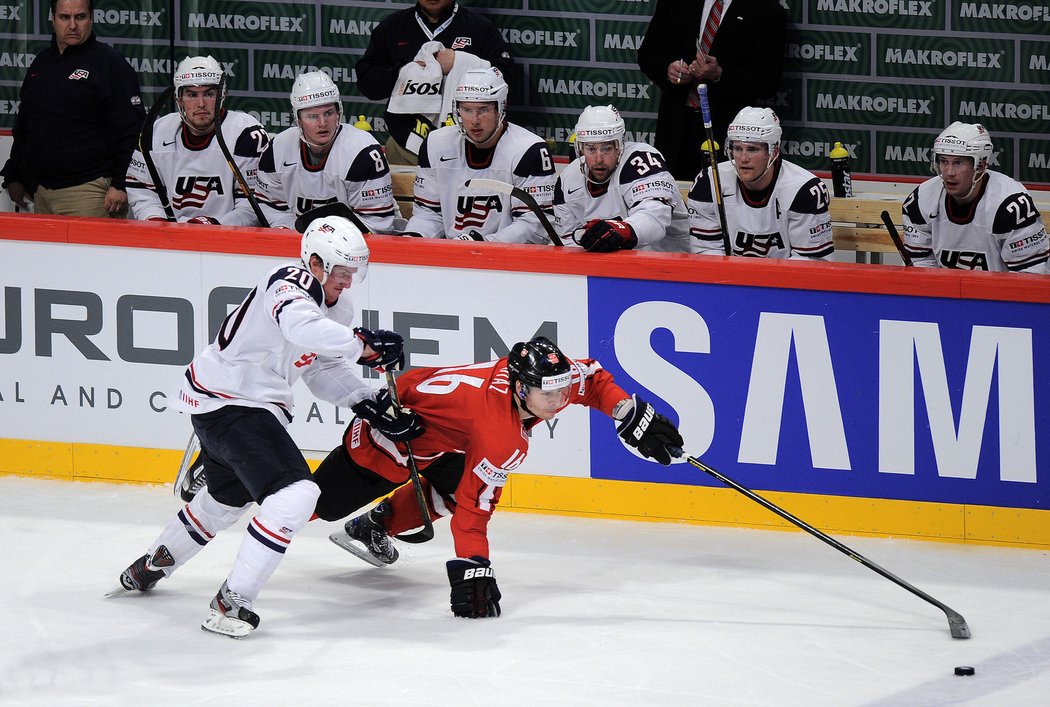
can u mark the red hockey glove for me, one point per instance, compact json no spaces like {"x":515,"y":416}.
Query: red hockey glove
{"x":206,"y":220}
{"x":606,"y":236}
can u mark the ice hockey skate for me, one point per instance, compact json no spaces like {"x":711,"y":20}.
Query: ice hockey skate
{"x":138,"y":576}
{"x":231,"y":615}
{"x":365,"y":537}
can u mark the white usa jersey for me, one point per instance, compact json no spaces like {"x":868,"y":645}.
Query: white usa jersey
{"x":788,"y":219}
{"x":281,"y":332}
{"x":197,"y":178}
{"x":640,"y":191}
{"x":1000,"y":230}
{"x":444,"y":207}
{"x":354,"y":172}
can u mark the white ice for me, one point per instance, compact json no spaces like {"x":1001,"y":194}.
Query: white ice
{"x":596,"y":612}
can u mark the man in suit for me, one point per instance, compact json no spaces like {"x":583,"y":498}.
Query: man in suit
{"x":740,"y":60}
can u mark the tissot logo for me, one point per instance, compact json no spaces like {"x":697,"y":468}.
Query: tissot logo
{"x":1016,"y":111}
{"x":930,"y":57}
{"x":1016,"y":11}
{"x":145,"y":18}
{"x":540,"y":37}
{"x":245,"y":22}
{"x":877,"y":104}
{"x":829,"y":52}
{"x":597,"y":89}
{"x":338,"y":74}
{"x":356,"y":27}
{"x":919,"y":8}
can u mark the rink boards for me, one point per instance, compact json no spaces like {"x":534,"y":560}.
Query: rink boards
{"x":868,"y":399}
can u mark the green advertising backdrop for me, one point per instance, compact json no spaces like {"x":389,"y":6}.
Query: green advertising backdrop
{"x":881,"y":76}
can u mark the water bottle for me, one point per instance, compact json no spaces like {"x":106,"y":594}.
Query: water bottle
{"x":363,"y":124}
{"x":705,"y":153}
{"x":841,"y":179}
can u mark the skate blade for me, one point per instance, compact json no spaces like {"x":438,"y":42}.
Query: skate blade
{"x":118,"y":592}
{"x":350,"y":545}
{"x":224,"y":625}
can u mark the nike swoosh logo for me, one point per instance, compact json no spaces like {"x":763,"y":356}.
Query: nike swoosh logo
{"x":573,"y":191}
{"x":289,"y":164}
{"x":445,"y":159}
{"x":165,"y":144}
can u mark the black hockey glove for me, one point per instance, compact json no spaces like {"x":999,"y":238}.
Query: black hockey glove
{"x":606,"y":236}
{"x":649,"y":432}
{"x":474,"y":591}
{"x":471,"y":235}
{"x":380,"y":413}
{"x":388,"y":345}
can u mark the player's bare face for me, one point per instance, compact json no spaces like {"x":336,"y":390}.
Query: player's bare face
{"x":338,"y":280}
{"x":545,"y":404}
{"x":433,"y":8}
{"x":319,"y":124}
{"x":480,"y":122}
{"x":198,"y":108}
{"x":72,"y":23}
{"x":601,"y":158}
{"x":956,"y":174}
{"x":751,"y":160}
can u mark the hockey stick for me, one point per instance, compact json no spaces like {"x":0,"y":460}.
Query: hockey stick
{"x":192,"y":447}
{"x":956,"y":623}
{"x":716,"y":182}
{"x":522,"y":196}
{"x":896,"y":238}
{"x":427,"y":532}
{"x":248,"y":194}
{"x":146,"y":148}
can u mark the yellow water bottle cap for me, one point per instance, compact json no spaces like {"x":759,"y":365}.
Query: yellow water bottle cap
{"x":363,"y":124}
{"x":449,"y":121}
{"x":706,"y":146}
{"x":572,"y":138}
{"x":838,"y":152}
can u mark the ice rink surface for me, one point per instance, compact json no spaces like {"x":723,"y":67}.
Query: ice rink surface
{"x":595,"y":612}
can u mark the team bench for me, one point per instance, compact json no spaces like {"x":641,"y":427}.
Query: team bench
{"x":856,"y":222}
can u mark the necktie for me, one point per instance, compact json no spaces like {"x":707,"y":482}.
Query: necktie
{"x":703,"y":42}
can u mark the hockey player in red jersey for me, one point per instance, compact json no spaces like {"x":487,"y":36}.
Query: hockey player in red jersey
{"x":475,"y":421}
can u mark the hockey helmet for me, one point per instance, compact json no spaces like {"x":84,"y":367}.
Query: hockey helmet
{"x":336,"y":242}
{"x":481,"y":86}
{"x":312,"y":89}
{"x":539,"y":364}
{"x":964,"y":140}
{"x":200,"y":71}
{"x":599,"y":124}
{"x":755,"y":125}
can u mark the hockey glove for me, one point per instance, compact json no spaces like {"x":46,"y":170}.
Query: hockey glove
{"x":649,"y":432}
{"x":471,"y":235}
{"x":388,"y":345}
{"x":606,"y":236}
{"x":380,"y":414}
{"x":206,"y":220}
{"x":474,"y":591}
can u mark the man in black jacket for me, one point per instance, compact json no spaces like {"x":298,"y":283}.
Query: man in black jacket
{"x":398,"y":39}
{"x":77,"y":124}
{"x":742,"y":66}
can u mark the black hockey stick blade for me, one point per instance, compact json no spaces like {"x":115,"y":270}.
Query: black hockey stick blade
{"x":427,"y":531}
{"x":896,"y":238}
{"x":522,"y":196}
{"x":956,"y":623}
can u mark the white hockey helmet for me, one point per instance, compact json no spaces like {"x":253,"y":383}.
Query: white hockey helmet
{"x":964,"y":140}
{"x":336,"y":242}
{"x":755,"y":125}
{"x":312,"y":89}
{"x":599,"y":124}
{"x":481,"y":86}
{"x":200,"y":71}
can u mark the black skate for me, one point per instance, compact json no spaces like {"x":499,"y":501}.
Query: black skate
{"x":231,"y":615}
{"x":139,"y":576}
{"x":365,"y":537}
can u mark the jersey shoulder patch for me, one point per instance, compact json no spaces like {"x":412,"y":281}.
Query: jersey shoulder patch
{"x":252,"y":141}
{"x":266,"y":162}
{"x":370,"y":163}
{"x":1016,"y":211}
{"x":424,"y":153}
{"x":559,"y":196}
{"x":536,"y":162}
{"x":641,"y":164}
{"x":701,"y":189}
{"x":293,"y":277}
{"x":911,"y":208}
{"x":811,"y":198}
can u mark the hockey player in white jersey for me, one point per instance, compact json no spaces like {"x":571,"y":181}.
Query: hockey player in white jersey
{"x":774,"y":208}
{"x":969,"y":217}
{"x":294,"y":324}
{"x":197,"y":179}
{"x":482,"y":144}
{"x":618,"y":195}
{"x":322,"y":161}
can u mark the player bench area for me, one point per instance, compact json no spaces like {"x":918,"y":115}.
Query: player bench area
{"x":856,"y":222}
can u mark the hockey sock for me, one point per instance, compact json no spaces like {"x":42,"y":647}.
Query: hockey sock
{"x":281,"y":516}
{"x":191,"y":529}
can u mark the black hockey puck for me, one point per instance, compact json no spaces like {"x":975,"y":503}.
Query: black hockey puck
{"x":964,"y":670}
